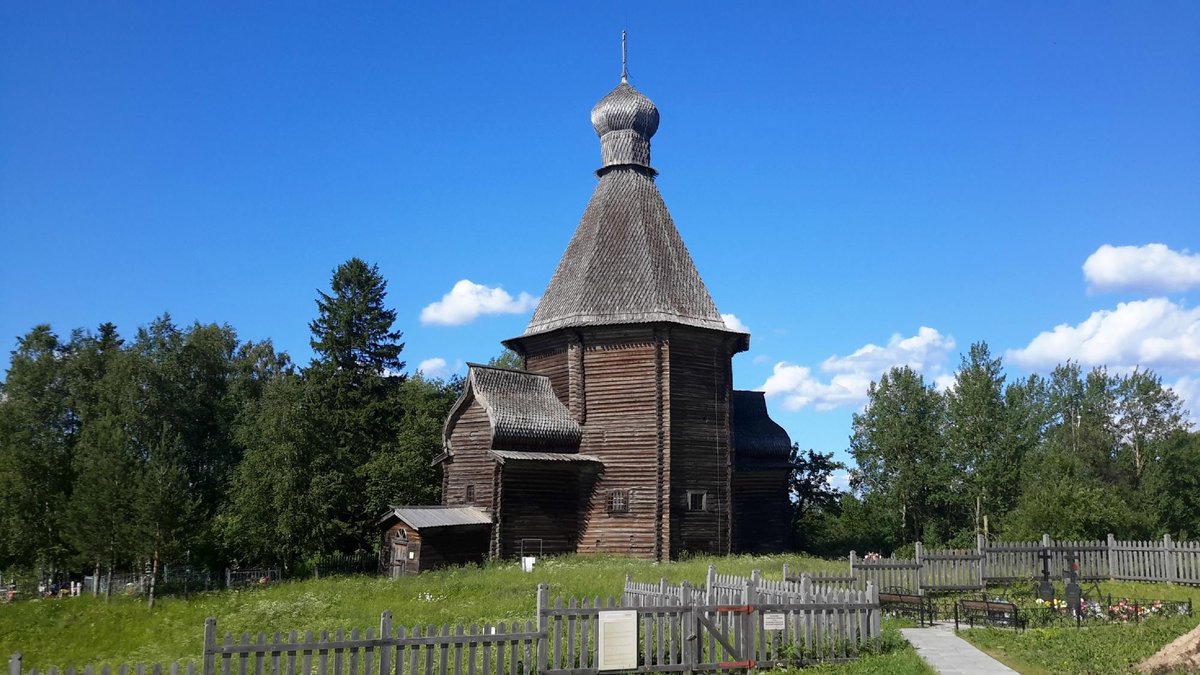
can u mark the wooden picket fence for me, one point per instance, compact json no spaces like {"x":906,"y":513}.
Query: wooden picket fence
{"x":949,"y":570}
{"x":678,"y":629}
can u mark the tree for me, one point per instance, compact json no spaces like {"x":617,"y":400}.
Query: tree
{"x":101,"y":513}
{"x":404,"y":473}
{"x":37,"y":434}
{"x":507,"y":359}
{"x":1147,"y":413}
{"x":811,"y":491}
{"x":898,"y":446}
{"x":975,"y":433}
{"x":282,"y":497}
{"x":353,"y":329}
{"x":1172,"y":485}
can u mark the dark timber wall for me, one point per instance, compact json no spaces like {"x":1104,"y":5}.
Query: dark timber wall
{"x":762,"y":510}
{"x":699,"y":424}
{"x":539,"y":501}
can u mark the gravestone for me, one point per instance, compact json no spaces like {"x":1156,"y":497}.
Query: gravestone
{"x":1071,"y":575}
{"x":1045,"y":588}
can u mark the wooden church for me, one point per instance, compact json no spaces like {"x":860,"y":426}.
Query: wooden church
{"x":622,"y":434}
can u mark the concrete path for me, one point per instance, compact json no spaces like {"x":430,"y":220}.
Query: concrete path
{"x":949,"y":654}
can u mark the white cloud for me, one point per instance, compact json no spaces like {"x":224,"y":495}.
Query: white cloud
{"x":1154,"y":333}
{"x":761,"y":359}
{"x":1153,"y":268}
{"x":839,"y":480}
{"x":734,"y":323}
{"x":468,"y":300}
{"x":435,"y":367}
{"x":1188,"y":389}
{"x":850,"y":376}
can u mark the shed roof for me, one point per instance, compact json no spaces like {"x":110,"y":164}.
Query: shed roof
{"x":754,"y":432}
{"x":521,"y":407}
{"x":428,"y":517}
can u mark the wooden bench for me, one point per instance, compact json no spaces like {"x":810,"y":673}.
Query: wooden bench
{"x":905,"y":603}
{"x":990,"y":613}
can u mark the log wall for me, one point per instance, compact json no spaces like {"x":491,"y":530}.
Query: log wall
{"x":762,"y":513}
{"x":470,"y":463}
{"x":540,"y":501}
{"x":699,"y":400}
{"x":622,"y":373}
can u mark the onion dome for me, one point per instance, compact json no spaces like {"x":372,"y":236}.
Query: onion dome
{"x":625,"y":120}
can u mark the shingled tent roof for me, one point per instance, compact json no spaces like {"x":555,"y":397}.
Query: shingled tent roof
{"x":520,"y":406}
{"x":756,"y":437}
{"x":626,"y":262}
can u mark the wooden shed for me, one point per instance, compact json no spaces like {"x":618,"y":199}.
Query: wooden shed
{"x":420,"y":538}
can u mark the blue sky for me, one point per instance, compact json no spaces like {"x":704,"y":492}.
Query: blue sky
{"x":862,"y":184}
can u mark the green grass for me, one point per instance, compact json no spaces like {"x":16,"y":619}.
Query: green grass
{"x":78,"y":631}
{"x":892,"y":656}
{"x":1111,"y":648}
{"x":1103,"y":648}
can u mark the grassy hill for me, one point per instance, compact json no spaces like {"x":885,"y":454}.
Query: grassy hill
{"x":77,"y":631}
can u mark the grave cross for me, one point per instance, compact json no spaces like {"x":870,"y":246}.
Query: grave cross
{"x":1045,"y":588}
{"x":1071,"y":575}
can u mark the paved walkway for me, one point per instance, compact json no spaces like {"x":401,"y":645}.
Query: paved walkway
{"x":949,"y":654}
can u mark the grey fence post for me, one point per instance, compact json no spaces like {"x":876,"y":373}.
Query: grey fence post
{"x":787,"y":572}
{"x":1112,"y":557}
{"x":662,"y":590}
{"x":208,"y":660}
{"x":749,"y":618}
{"x":14,"y":664}
{"x":228,"y":577}
{"x":981,"y":551}
{"x":806,"y":587}
{"x":543,"y":626}
{"x":385,"y":636}
{"x":709,"y":583}
{"x":691,"y":642}
{"x":1168,"y":559}
{"x":876,"y":611}
{"x":920,"y":569}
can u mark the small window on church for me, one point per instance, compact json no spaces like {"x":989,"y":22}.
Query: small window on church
{"x":697,"y":500}
{"x":470,"y":494}
{"x":618,"y":501}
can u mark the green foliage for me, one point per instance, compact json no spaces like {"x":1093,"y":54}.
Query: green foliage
{"x":1079,"y":454}
{"x":901,"y":454}
{"x":507,"y":359}
{"x":353,"y":329}
{"x":1171,"y":486}
{"x":37,"y":437}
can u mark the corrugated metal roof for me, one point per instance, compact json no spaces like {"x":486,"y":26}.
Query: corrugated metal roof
{"x":521,"y":455}
{"x":423,"y":517}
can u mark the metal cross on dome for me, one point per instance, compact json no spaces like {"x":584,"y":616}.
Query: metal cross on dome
{"x":624,"y":66}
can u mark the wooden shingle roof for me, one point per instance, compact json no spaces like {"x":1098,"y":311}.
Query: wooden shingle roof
{"x":626,"y":262}
{"x":522,"y":408}
{"x":755,"y":435}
